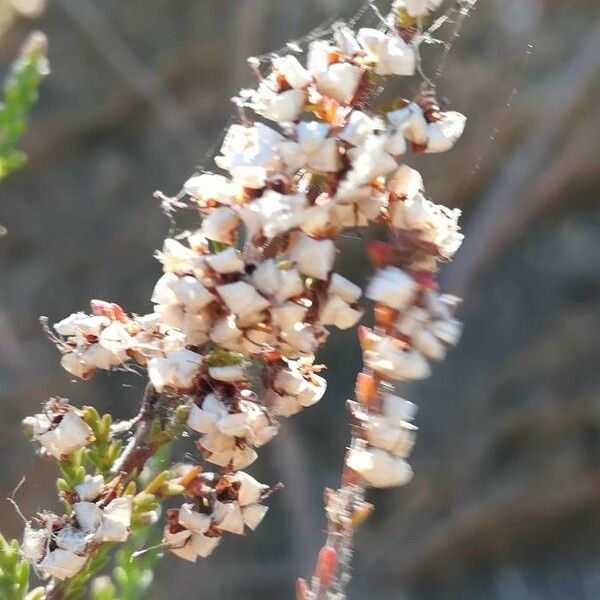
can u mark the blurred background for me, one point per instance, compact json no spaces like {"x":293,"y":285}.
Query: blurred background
{"x":505,"y":500}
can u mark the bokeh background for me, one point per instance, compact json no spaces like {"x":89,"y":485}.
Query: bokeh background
{"x":505,"y":501}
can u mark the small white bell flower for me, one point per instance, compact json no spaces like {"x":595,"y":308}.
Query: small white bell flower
{"x":176,"y":370}
{"x":241,"y":298}
{"x":390,"y":54}
{"x":209,"y":187}
{"x":379,"y":468}
{"x":312,"y":257}
{"x":226,"y":262}
{"x":393,"y":287}
{"x":71,"y":434}
{"x":293,"y":71}
{"x":254,"y":514}
{"x":62,"y":564}
{"x":91,"y":488}
{"x":339,"y":81}
{"x":278,"y":281}
{"x":313,"y":150}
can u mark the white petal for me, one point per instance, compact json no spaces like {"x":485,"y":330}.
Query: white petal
{"x":228,"y":374}
{"x":392,"y":287}
{"x":193,"y":520}
{"x":91,"y":488}
{"x":406,"y":182}
{"x":340,"y":81}
{"x":228,"y":261}
{"x":203,"y":545}
{"x":62,"y":564}
{"x":254,"y":514}
{"x":220,"y":225}
{"x":34,"y":544}
{"x":288,"y":314}
{"x":250,"y":490}
{"x":379,"y":468}
{"x":176,"y":370}
{"x":228,"y":517}
{"x":242,"y":298}
{"x":295,"y":74}
{"x":313,"y":257}
{"x":88,"y":516}
{"x":72,"y":539}
{"x":336,"y":311}
{"x":442,"y":134}
{"x":208,"y":186}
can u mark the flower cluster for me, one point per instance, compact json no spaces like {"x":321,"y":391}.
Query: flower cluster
{"x":220,"y":504}
{"x":60,"y":546}
{"x":247,"y":299}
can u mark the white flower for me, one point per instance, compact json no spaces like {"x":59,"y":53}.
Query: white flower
{"x":203,"y":419}
{"x":226,"y":262}
{"x":116,"y":521}
{"x":339,"y":81}
{"x":186,"y":291}
{"x":71,"y":434}
{"x":418,"y":8}
{"x":359,"y":127}
{"x":293,"y":390}
{"x":398,"y":409}
{"x":435,"y":224}
{"x":176,"y":370}
{"x":193,"y":520}
{"x":282,"y":107}
{"x":390,"y":54}
{"x":273,"y":213}
{"x":177,"y":258}
{"x":209,"y":187}
{"x":228,"y":517}
{"x":228,"y":374}
{"x":295,"y":74}
{"x":254,"y":514}
{"x":288,"y":314}
{"x":81,"y":324}
{"x":336,"y":311}
{"x":314,"y":258}
{"x":437,"y":136}
{"x":405,"y":183}
{"x":88,"y":515}
{"x":393,"y":287}
{"x":35,"y":542}
{"x":74,"y":364}
{"x":91,"y":488}
{"x":395,"y":437}
{"x":204,"y":545}
{"x":313,"y":150}
{"x":379,"y":468}
{"x":62,"y":564}
{"x":393,"y":362}
{"x":241,"y":298}
{"x":250,"y":491}
{"x":411,"y":122}
{"x":225,"y":330}
{"x":220,"y":225}
{"x":254,"y":146}
{"x":277,"y":280}
{"x":443,"y":134}
{"x":369,"y":161}
{"x":346,"y":289}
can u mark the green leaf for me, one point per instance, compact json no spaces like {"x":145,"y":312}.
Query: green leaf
{"x":20,"y":94}
{"x":14,"y":572}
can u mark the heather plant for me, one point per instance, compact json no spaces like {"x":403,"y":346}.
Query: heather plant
{"x":242,"y":307}
{"x":19,"y":95}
